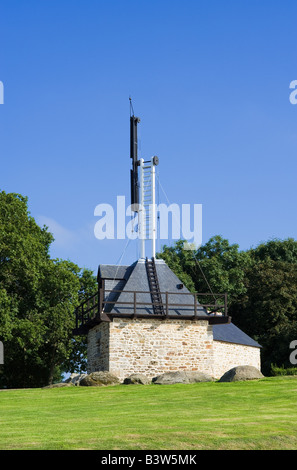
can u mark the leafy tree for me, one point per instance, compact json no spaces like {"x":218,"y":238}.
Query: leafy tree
{"x":267,"y":311}
{"x":276,"y":250}
{"x":38,"y":296}
{"x":224,"y":266}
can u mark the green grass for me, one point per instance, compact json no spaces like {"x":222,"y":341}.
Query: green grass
{"x":241,"y":415}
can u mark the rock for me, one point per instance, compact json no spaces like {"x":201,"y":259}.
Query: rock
{"x":183,"y":377}
{"x":241,"y":373}
{"x":99,"y":379}
{"x":75,"y":378}
{"x":137,"y":379}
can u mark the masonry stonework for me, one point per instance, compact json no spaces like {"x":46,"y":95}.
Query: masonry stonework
{"x":229,"y":355}
{"x":98,"y":348}
{"x":152,"y":347}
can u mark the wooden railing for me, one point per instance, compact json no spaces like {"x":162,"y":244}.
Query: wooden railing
{"x":92,"y":308}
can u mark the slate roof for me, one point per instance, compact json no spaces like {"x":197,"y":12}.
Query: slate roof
{"x":111,"y":271}
{"x":136,"y":280}
{"x":232,"y":334}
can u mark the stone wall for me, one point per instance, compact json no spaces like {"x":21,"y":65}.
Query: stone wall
{"x":229,"y":355}
{"x":98,"y":348}
{"x":152,"y":347}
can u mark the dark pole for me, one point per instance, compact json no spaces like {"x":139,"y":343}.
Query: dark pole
{"x":133,"y":154}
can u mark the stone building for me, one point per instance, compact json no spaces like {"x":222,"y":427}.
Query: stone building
{"x":131,"y":330}
{"x":144,"y":320}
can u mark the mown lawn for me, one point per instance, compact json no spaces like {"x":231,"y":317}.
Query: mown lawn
{"x":241,"y":415}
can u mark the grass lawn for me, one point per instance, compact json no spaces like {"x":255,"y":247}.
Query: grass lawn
{"x":240,"y":415}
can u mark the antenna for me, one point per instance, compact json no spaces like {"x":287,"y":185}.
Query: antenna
{"x":143,"y":198}
{"x":133,"y":154}
{"x":131,"y":106}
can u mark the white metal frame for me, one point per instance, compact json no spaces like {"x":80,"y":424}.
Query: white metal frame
{"x":147,"y":206}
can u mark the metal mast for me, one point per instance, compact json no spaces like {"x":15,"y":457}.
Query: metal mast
{"x":133,"y":154}
{"x":143,"y":199}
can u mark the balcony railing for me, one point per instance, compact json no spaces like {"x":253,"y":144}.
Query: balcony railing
{"x":95,"y":308}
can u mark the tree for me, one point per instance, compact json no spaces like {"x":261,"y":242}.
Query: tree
{"x":276,"y":250}
{"x":224,"y":266}
{"x":267,"y":311}
{"x":38,"y":296}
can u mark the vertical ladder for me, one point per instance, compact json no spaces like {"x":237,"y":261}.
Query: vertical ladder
{"x":147,"y":206}
{"x":154,"y":286}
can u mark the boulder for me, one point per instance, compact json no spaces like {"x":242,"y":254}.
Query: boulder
{"x":241,"y":373}
{"x":183,"y":377}
{"x":99,"y":379}
{"x":75,"y":378}
{"x":137,"y":379}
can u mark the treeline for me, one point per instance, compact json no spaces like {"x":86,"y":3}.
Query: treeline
{"x":261,"y":284}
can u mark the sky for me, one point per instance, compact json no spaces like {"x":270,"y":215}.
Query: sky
{"x":210,"y":82}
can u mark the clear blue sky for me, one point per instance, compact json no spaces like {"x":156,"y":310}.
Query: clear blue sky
{"x":210,"y":82}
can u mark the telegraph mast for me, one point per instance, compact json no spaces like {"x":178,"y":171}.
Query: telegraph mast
{"x":143,"y":199}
